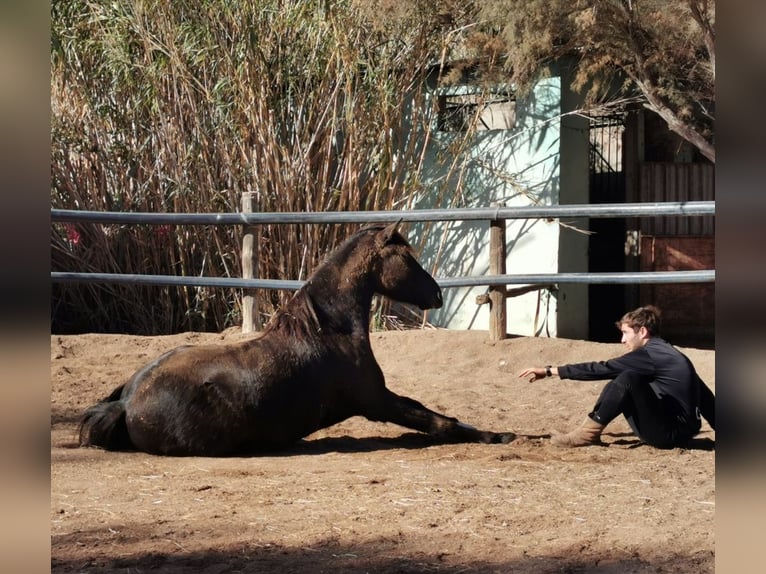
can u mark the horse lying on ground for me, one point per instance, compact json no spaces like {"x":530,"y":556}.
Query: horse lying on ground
{"x":312,"y":367}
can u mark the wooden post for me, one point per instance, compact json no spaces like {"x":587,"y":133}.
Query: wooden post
{"x":497,"y":319}
{"x":250,"y":319}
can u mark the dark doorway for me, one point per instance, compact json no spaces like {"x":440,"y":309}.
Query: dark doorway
{"x":606,"y":245}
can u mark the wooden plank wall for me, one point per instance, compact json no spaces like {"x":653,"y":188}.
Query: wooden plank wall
{"x":676,"y":244}
{"x":677,"y":182}
{"x":688,"y":310}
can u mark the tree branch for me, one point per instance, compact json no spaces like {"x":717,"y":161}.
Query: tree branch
{"x":675,"y":124}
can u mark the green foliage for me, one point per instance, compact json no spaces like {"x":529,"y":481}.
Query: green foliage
{"x":182,"y":106}
{"x":663,"y":49}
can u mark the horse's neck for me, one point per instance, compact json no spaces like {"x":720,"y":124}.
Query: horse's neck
{"x":339,"y":303}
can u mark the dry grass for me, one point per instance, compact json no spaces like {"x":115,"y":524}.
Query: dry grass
{"x":169,"y":107}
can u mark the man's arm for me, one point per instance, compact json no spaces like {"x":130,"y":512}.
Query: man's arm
{"x":637,"y":361}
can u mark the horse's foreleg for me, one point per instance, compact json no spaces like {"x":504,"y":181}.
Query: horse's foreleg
{"x":410,"y":413}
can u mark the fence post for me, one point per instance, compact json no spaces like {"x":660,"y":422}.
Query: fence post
{"x":497,"y":320}
{"x":250,"y":319}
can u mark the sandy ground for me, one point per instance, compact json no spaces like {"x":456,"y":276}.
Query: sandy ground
{"x":371,"y":497}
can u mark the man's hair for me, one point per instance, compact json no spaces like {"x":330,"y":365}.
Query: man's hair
{"x":647,"y":316}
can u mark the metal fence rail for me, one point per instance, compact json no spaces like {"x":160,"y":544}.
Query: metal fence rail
{"x":679,"y":208}
{"x":684,"y":209}
{"x":496,"y":280}
{"x":656,"y":277}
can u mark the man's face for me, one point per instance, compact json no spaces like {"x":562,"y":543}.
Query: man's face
{"x":633,"y":339}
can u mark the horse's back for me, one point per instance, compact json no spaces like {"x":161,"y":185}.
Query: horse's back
{"x":188,"y":401}
{"x":221,"y":399}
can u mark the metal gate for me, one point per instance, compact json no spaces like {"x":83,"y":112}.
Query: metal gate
{"x":606,"y":244}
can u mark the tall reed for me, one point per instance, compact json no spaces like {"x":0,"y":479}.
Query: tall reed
{"x":181,"y":106}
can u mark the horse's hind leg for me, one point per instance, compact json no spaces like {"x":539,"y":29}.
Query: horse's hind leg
{"x":410,"y":413}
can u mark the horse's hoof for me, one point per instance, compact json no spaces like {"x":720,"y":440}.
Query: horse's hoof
{"x":504,"y":437}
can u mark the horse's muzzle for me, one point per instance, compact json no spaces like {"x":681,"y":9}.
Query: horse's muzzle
{"x":436,"y":301}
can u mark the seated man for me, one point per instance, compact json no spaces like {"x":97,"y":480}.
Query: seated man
{"x":654,"y":385}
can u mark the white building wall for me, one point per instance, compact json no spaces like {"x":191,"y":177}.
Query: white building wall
{"x":572,"y":298}
{"x":515,"y":167}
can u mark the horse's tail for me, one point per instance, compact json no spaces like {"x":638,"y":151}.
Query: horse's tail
{"x":103,"y":424}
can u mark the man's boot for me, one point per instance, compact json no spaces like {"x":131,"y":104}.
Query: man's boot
{"x":588,"y":434}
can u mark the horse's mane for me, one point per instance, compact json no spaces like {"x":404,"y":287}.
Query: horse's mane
{"x":297,"y":319}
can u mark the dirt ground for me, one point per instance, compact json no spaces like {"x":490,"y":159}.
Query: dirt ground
{"x":378,"y":498}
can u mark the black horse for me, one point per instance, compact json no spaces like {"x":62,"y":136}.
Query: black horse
{"x":311,"y":367}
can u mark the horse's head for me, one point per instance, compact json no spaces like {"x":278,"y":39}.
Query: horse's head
{"x":399,"y":275}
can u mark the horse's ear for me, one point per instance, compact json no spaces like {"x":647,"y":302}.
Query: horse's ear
{"x":389,"y":231}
